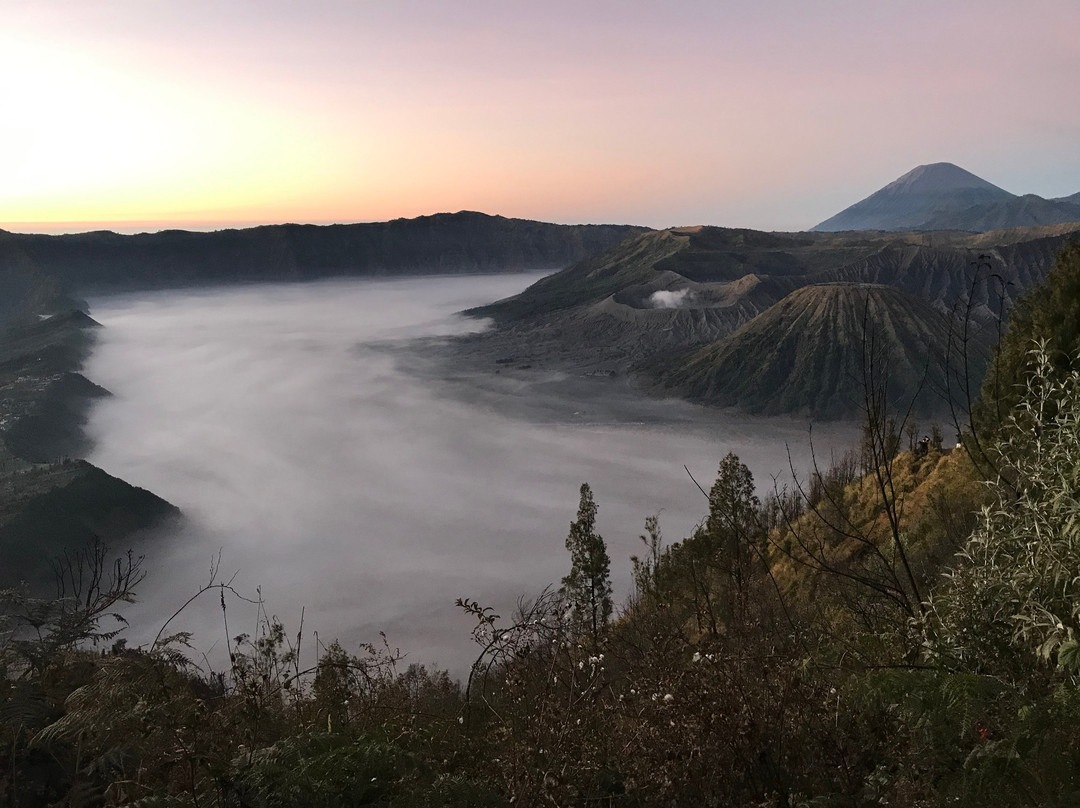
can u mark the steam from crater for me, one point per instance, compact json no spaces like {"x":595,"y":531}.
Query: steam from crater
{"x":664,"y":299}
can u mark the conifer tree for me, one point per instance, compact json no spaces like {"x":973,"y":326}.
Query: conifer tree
{"x":587,"y":588}
{"x":732,"y":527}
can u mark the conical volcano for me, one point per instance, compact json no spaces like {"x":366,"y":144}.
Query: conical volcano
{"x":806,"y":354}
{"x":916,"y":198}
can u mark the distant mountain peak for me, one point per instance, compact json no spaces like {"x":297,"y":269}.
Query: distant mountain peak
{"x":939,"y":178}
{"x":917,"y":197}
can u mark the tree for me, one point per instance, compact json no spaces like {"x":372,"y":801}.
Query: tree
{"x":733,"y":506}
{"x":732,"y":526}
{"x":1049,"y":315}
{"x":587,"y":588}
{"x":90,"y":588}
{"x":647,"y":570}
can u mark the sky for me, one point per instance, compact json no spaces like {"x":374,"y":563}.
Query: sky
{"x":772,"y":114}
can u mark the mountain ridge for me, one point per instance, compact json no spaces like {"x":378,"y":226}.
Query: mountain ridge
{"x":461,"y":242}
{"x":53,"y":503}
{"x":656,"y":298}
{"x":1029,"y":210}
{"x":943,"y":196}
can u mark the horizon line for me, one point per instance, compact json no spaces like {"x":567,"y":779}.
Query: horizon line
{"x":150,"y":226}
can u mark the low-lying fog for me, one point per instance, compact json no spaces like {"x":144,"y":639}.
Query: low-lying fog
{"x":302,"y":434}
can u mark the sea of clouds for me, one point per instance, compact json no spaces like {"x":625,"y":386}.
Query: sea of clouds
{"x":285,"y":423}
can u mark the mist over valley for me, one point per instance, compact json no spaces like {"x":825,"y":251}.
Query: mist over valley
{"x":312,"y":434}
{"x":456,"y":405}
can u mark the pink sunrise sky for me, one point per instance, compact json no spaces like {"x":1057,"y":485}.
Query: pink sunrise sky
{"x":769,"y":114}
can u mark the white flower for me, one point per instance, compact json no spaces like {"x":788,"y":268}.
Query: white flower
{"x":581,"y":666}
{"x":696,"y":657}
{"x":668,"y":698}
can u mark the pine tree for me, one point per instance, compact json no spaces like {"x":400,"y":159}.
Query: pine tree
{"x":730,"y":531}
{"x":587,"y":588}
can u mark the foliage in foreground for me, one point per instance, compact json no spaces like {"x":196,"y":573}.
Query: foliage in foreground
{"x":710,"y":689}
{"x":864,"y":639}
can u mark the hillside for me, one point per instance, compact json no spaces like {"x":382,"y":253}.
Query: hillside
{"x":653,"y":299}
{"x":43,"y":397}
{"x":659,"y":292}
{"x":917,"y":198}
{"x":804,"y":354}
{"x":991,"y":273}
{"x":51,"y":503}
{"x":50,"y":509}
{"x":442,"y":243}
{"x":1028,"y":210}
{"x":704,"y":256}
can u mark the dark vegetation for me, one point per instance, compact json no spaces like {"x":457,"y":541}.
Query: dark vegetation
{"x":901,"y":628}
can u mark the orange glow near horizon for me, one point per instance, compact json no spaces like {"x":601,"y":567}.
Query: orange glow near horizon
{"x":98,"y":147}
{"x":91,"y":144}
{"x":174,"y":114}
